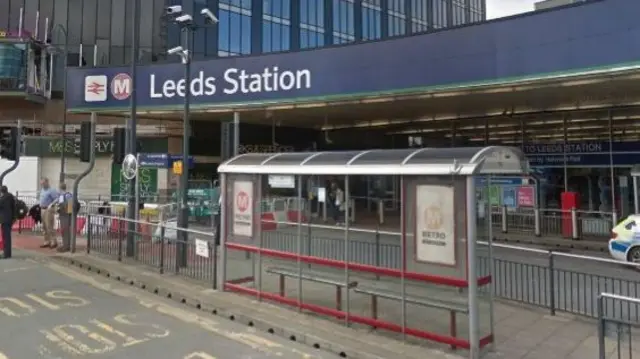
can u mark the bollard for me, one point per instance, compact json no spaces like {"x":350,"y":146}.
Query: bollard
{"x":504,"y":219}
{"x":89,"y":233}
{"x":574,"y":224}
{"x":380,"y":211}
{"x":536,"y":219}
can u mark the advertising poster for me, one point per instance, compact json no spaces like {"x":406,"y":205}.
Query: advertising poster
{"x":526,"y":196}
{"x":435,"y":225}
{"x":509,"y":197}
{"x":495,"y":197}
{"x":243,"y":208}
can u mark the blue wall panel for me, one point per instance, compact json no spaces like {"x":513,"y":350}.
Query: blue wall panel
{"x":598,"y":34}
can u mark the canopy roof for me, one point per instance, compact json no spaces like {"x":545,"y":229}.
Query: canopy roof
{"x":463,"y":161}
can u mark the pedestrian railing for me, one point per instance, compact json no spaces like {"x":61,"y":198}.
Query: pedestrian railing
{"x":553,"y":222}
{"x":616,"y":335}
{"x":556,"y":281}
{"x":185,"y":252}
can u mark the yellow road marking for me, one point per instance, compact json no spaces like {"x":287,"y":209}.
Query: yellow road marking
{"x":252,"y":340}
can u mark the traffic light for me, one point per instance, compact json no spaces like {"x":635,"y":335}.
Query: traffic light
{"x":10,"y":143}
{"x":119,"y":140}
{"x":85,"y":141}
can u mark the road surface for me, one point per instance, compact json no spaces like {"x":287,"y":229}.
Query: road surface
{"x":52,"y":311}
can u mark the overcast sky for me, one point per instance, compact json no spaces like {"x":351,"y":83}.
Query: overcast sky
{"x":500,"y":8}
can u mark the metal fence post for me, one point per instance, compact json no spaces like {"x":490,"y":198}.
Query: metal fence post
{"x":574,"y":224}
{"x":162,"y":229}
{"x":215,"y":265}
{"x":504,"y":219}
{"x":601,"y":328}
{"x":377,"y":260}
{"x":89,"y":232}
{"x":120,"y":238}
{"x":536,"y":219}
{"x":552,"y":284}
{"x":380,"y":211}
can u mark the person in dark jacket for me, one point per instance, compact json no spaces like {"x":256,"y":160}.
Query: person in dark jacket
{"x":7,"y":217}
{"x":35,"y":213}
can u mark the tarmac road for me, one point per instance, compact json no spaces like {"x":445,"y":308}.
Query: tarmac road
{"x":52,"y":311}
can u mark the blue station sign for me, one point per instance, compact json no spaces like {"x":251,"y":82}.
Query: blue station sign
{"x":161,"y":160}
{"x":479,"y":54}
{"x":578,"y":154}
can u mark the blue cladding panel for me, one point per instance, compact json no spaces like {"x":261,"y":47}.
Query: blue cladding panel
{"x":597,"y":34}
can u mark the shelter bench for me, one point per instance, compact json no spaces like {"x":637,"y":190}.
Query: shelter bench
{"x":452,"y":307}
{"x":283,"y":273}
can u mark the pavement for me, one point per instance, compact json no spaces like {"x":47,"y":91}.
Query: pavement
{"x":521,"y":332}
{"x":48,"y":310}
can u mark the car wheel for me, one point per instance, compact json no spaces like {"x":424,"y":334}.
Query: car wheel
{"x":634,"y":255}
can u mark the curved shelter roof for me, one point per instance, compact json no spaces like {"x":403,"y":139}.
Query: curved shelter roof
{"x":464,"y":161}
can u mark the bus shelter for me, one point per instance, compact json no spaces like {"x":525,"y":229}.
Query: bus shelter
{"x":423,"y":279}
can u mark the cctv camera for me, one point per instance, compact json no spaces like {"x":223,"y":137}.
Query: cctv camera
{"x":178,"y":50}
{"x":184,"y":19}
{"x":173,"y":10}
{"x":209,"y":17}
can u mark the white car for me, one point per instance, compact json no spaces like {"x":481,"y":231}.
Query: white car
{"x":624,"y":244}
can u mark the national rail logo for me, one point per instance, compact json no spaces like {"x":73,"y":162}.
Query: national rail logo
{"x":95,"y":88}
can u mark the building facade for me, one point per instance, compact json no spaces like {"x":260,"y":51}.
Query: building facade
{"x":246,"y":26}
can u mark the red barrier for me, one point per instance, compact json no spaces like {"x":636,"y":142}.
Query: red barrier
{"x":268,"y":221}
{"x":26,"y":224}
{"x":351,"y":317}
{"x":453,"y":282}
{"x":292,"y":217}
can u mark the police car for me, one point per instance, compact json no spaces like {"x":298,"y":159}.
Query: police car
{"x":624,"y":244}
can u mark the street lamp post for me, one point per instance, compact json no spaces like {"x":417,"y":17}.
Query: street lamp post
{"x":65,"y":54}
{"x":185,"y":51}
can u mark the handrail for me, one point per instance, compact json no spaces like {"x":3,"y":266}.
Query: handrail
{"x":619,"y":297}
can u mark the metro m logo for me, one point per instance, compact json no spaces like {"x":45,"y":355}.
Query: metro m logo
{"x":121,"y":86}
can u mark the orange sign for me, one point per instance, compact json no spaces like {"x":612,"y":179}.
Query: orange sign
{"x":177,"y":167}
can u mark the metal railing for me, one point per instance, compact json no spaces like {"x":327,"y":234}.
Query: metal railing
{"x":559,"y":282}
{"x":615,"y":334}
{"x":156,"y":245}
{"x":553,"y":222}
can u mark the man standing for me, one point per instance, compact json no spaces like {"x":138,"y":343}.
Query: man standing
{"x":65,"y":211}
{"x":7,"y":216}
{"x":48,"y":199}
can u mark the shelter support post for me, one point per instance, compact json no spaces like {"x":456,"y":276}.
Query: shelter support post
{"x":472,"y":268}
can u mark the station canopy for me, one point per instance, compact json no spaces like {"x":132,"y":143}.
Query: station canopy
{"x":463,"y":161}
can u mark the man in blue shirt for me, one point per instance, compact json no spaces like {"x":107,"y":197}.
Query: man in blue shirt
{"x":48,"y":200}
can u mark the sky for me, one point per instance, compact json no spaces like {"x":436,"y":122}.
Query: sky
{"x":500,"y":8}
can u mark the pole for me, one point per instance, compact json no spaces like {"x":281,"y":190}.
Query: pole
{"x":472,"y":269}
{"x":183,"y":220}
{"x":65,"y":55}
{"x":614,"y":212}
{"x":236,"y":133}
{"x":564,"y":153}
{"x":17,"y":161}
{"x":133,"y":123}
{"x":76,"y":183}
